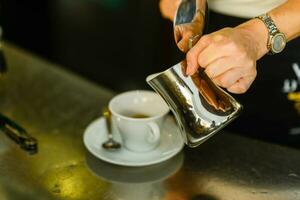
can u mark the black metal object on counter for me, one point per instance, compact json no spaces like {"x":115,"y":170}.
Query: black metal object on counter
{"x":12,"y":129}
{"x":18,"y":134}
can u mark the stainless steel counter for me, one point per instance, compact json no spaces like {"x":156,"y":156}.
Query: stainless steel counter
{"x":55,"y":106}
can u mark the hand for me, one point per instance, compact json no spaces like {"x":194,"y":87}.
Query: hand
{"x":168,"y":8}
{"x":183,"y":32}
{"x":229,"y":57}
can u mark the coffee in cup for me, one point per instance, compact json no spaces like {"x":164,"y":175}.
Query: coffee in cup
{"x":138,"y":116}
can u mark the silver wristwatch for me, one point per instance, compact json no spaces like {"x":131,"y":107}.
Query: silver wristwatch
{"x":276,"y":40}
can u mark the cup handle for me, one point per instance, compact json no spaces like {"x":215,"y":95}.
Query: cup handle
{"x":155,"y":132}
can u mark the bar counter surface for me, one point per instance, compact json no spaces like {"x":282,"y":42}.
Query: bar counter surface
{"x":55,"y":107}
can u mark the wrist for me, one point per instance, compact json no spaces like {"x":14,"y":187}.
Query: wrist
{"x":258,"y":34}
{"x":276,"y":39}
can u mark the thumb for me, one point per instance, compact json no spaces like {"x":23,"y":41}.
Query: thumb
{"x":193,"y":53}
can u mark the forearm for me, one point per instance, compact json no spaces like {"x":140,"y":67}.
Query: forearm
{"x":287,"y":20}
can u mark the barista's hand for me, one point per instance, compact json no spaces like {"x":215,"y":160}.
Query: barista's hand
{"x":183,"y":32}
{"x":168,"y":8}
{"x":229,"y":57}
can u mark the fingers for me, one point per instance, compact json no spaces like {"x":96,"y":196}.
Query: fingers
{"x":215,"y":50}
{"x":241,"y":86}
{"x":192,"y":55}
{"x":229,"y":78}
{"x":234,"y":75}
{"x":219,"y":66}
{"x":228,"y":57}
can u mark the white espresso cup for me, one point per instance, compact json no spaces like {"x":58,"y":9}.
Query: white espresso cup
{"x":138,"y":116}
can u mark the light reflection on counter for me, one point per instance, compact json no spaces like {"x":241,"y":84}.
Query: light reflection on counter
{"x":70,"y":182}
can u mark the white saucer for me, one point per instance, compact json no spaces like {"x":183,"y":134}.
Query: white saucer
{"x":146,"y":174}
{"x":171,"y":144}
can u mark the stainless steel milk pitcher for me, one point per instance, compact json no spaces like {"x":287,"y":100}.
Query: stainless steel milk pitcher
{"x":200,"y":107}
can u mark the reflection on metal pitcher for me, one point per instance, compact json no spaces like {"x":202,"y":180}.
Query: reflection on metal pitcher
{"x":200,"y":107}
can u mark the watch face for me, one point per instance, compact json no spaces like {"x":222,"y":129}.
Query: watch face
{"x":278,"y":42}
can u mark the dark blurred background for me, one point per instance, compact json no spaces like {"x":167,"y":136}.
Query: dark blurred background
{"x":115,"y":43}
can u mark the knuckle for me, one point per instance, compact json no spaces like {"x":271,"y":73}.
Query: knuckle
{"x":219,"y":38}
{"x":233,"y":47}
